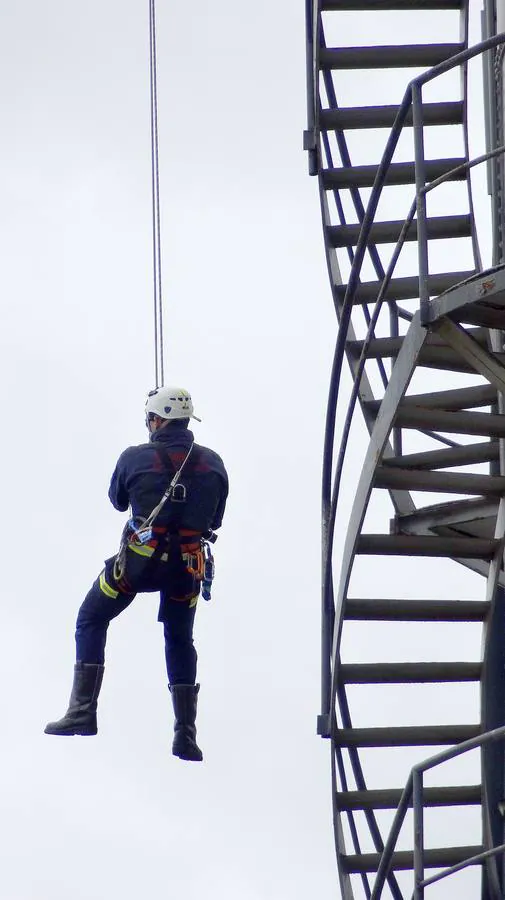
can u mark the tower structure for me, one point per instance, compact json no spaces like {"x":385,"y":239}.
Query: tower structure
{"x":413,"y":669}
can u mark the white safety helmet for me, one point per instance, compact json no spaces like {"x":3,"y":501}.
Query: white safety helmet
{"x":170,"y":403}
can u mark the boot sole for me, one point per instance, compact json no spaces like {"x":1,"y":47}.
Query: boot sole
{"x":71,"y":733}
{"x":188,"y":758}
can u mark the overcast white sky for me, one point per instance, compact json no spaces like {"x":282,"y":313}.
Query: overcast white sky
{"x":249,"y":330}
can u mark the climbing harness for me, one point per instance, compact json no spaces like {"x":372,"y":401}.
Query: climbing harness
{"x":141,"y":536}
{"x":139,"y":531}
{"x":145,"y":532}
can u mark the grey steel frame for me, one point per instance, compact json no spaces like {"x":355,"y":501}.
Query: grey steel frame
{"x":412,"y":98}
{"x":331,"y":629}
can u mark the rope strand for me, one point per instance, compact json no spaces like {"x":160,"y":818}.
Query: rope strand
{"x":156,"y":219}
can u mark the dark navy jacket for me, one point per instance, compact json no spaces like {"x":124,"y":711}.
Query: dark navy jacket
{"x":143,"y":473}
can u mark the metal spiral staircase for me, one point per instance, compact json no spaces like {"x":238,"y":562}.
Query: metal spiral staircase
{"x":421,"y":325}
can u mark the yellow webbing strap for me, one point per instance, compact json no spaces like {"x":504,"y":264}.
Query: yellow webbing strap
{"x":141,"y":549}
{"x":106,"y":588}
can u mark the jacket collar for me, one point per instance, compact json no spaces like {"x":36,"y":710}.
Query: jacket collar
{"x":173,"y":436}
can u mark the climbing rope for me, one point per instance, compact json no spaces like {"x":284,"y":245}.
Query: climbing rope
{"x":155,"y":177}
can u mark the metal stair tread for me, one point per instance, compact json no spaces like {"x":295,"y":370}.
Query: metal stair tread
{"x":443,"y":482}
{"x":405,"y":735}
{"x":360,"y":609}
{"x":377,"y":5}
{"x":387,"y":57}
{"x":452,"y":400}
{"x":389,"y":798}
{"x":405,"y":287}
{"x":409,"y":672}
{"x":357,"y":117}
{"x":467,"y":454}
{"x":391,"y":346}
{"x":438,"y":228}
{"x":458,"y":422}
{"x":464,"y":517}
{"x":435,"y":858}
{"x":394,"y":344}
{"x":398,"y":173}
{"x":433,"y":355}
{"x":426,"y":545}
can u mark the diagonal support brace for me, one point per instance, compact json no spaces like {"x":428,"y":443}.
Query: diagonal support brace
{"x":474,"y":353}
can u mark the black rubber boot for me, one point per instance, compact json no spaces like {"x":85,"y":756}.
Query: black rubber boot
{"x":80,"y":717}
{"x":184,"y":698}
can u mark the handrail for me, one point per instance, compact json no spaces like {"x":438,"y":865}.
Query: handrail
{"x":331,"y":494}
{"x":471,"y":861}
{"x":379,"y":303}
{"x":405,"y":802}
{"x":338,"y":358}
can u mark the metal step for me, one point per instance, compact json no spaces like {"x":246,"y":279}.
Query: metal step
{"x":389,"y":798}
{"x":434,"y":354}
{"x":406,"y":288}
{"x":470,"y":454}
{"x":406,"y":736}
{"x":403,"y":673}
{"x":351,"y":117}
{"x":471,"y":517}
{"x":445,"y":358}
{"x":438,"y":228}
{"x":438,"y":858}
{"x":391,"y":57}
{"x":443,"y":482}
{"x":398,"y":173}
{"x":452,"y":400}
{"x":378,"y":5}
{"x":451,"y":422}
{"x":359,"y":609}
{"x":392,"y":345}
{"x":426,"y":545}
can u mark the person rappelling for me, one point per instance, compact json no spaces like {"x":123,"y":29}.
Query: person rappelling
{"x":177,"y":492}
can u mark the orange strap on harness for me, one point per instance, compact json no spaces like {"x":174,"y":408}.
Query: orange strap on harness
{"x":195,"y":563}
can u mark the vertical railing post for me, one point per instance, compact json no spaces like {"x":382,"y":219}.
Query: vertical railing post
{"x":395,"y":332}
{"x":422,"y":224}
{"x":310,"y":135}
{"x":498,"y":86}
{"x":417,"y":801}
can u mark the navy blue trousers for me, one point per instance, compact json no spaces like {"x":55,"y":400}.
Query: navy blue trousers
{"x":105,"y":601}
